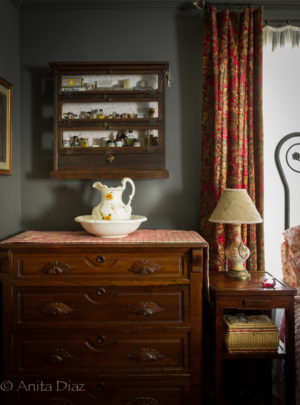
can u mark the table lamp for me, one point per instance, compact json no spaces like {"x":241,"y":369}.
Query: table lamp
{"x":235,"y":207}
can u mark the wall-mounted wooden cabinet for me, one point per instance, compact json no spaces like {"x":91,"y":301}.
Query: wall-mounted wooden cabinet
{"x":109,"y":120}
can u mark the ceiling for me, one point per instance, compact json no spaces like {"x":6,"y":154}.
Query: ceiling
{"x":41,"y":4}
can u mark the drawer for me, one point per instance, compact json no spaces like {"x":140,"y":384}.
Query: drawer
{"x":105,"y":353}
{"x":103,"y":392}
{"x":140,"y":265}
{"x":106,"y":305}
{"x":253,"y":302}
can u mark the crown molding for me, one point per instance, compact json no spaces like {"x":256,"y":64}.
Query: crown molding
{"x":98,"y":4}
{"x":123,"y":4}
{"x":17,"y":3}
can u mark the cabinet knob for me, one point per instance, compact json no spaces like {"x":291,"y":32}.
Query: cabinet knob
{"x":101,"y":291}
{"x":100,"y":339}
{"x":101,"y":387}
{"x":100,"y":259}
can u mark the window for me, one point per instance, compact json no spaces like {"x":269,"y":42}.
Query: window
{"x":281,"y":104}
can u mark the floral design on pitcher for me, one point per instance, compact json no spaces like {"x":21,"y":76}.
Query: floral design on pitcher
{"x":111,"y":206}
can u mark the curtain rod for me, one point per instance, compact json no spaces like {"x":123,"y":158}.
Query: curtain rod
{"x":283,"y":20}
{"x":203,"y":4}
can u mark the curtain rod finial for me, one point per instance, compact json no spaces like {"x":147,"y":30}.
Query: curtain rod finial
{"x":199,"y":4}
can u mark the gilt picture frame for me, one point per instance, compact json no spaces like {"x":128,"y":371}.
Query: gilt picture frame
{"x":5,"y":127}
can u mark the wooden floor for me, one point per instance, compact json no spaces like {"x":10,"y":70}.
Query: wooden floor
{"x":247,"y":383}
{"x":252,"y":400}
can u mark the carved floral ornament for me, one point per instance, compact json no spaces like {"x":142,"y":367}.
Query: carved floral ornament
{"x":59,"y":401}
{"x":58,"y":355}
{"x":55,"y":267}
{"x":143,"y":401}
{"x":145,"y":267}
{"x":56,"y":309}
{"x":146,"y":354}
{"x":147,"y":308}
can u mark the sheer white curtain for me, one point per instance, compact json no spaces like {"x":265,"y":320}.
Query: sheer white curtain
{"x":281,"y":36}
{"x":281,"y":95}
{"x":281,"y":104}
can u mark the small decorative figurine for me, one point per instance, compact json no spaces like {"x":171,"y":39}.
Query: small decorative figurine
{"x":268,"y":281}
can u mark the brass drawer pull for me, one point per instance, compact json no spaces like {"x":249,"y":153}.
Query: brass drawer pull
{"x":100,"y":259}
{"x":101,"y":291}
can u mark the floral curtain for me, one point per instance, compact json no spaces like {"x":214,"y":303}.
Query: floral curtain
{"x":232,"y":125}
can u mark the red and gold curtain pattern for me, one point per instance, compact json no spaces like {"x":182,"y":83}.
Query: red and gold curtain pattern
{"x":232,"y":125}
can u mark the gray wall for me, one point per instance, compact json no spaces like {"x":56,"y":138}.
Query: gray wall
{"x":151,"y":34}
{"x":10,"y":203}
{"x":134,"y":34}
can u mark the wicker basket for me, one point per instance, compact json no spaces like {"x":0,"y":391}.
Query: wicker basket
{"x":251,"y":333}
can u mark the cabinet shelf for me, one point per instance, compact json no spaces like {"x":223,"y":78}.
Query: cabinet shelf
{"x":102,"y":93}
{"x":116,"y":150}
{"x":105,"y":122}
{"x":113,"y":89}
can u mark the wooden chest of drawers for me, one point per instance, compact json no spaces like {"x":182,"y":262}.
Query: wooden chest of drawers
{"x":93,"y":321}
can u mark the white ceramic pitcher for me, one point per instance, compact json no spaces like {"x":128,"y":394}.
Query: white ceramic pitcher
{"x":111,"y":206}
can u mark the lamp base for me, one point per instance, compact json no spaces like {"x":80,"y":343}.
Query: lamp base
{"x":238,"y":274}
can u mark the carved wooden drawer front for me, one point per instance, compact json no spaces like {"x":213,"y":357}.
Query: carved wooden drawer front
{"x":91,"y":306}
{"x":141,"y":266}
{"x":108,"y":393}
{"x":105,"y":353}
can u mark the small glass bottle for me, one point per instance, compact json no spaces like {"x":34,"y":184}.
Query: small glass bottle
{"x":136,"y":142}
{"x":84,"y":142}
{"x":154,"y":140}
{"x":110,"y":144}
{"x":130,"y":138}
{"x":100,"y":114}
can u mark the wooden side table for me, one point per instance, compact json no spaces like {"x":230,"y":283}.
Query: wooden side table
{"x":227,"y":293}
